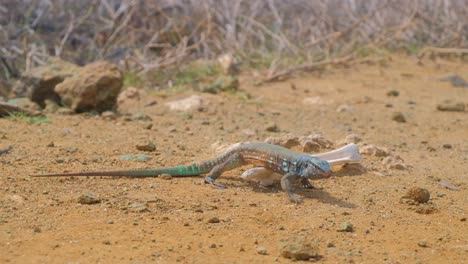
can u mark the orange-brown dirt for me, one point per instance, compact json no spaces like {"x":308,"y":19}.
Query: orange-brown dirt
{"x":42,"y":222}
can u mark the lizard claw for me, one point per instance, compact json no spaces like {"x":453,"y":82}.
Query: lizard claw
{"x":214,"y":183}
{"x":306,"y":184}
{"x":294,"y":198}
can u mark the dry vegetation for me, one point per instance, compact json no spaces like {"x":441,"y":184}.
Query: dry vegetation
{"x":151,"y":35}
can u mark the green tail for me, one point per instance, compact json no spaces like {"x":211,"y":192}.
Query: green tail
{"x":190,"y":170}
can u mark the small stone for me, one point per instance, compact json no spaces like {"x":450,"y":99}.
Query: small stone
{"x":393,"y":93}
{"x":213,"y":220}
{"x":88,"y":198}
{"x":71,"y":149}
{"x":447,"y":146}
{"x":106,"y":242}
{"x":193,"y":102}
{"x":110,"y":222}
{"x":138,"y":157}
{"x":346,"y":227}
{"x":398,"y":117}
{"x":37,"y":230}
{"x":299,"y":248}
{"x":148,"y":126}
{"x":374,"y":151}
{"x":65,"y":111}
{"x":51,"y":144}
{"x":213,"y":245}
{"x":352,"y":138}
{"x":138,"y":208}
{"x":418,"y":195}
{"x":330,"y":243}
{"x":422,"y":243}
{"x":448,"y":185}
{"x":344,"y":108}
{"x":146,"y":146}
{"x":108,"y":115}
{"x":262,"y":250}
{"x":165,"y":176}
{"x":140,"y":117}
{"x":463,"y":219}
{"x":451,"y":106}
{"x":272,"y":127}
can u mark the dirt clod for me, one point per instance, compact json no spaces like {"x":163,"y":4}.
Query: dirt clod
{"x":88,"y":198}
{"x":419,"y":195}
{"x":299,"y":248}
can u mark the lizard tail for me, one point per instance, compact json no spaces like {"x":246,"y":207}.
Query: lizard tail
{"x":191,"y":170}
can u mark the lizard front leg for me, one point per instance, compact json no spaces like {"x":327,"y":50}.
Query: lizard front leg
{"x":306,"y":183}
{"x":286,"y":184}
{"x":231,"y":162}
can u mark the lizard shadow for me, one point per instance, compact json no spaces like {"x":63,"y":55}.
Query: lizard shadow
{"x":315,"y":193}
{"x":350,"y":170}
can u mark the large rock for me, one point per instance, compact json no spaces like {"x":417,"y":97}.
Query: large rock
{"x":93,"y":87}
{"x":38,"y":84}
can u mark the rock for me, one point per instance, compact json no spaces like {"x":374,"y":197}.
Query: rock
{"x":88,"y":198}
{"x":65,"y":111}
{"x":448,"y":185}
{"x":286,"y":141}
{"x":129,"y":94}
{"x":316,"y":100}
{"x":422,"y":243}
{"x":140,"y":117}
{"x":394,"y":162}
{"x":137,"y":207}
{"x":262,"y":250}
{"x":314,"y":142}
{"x":447,"y":146}
{"x":272,"y":127}
{"x":399,"y":117}
{"x":374,"y":151}
{"x":94,"y":87}
{"x":451,"y":106}
{"x":193,"y":102}
{"x":346,"y":227}
{"x":108,"y":115}
{"x":138,"y":157}
{"x":418,"y":195}
{"x":352,"y":138}
{"x":344,"y":108}
{"x":39,"y":83}
{"x":165,"y":176}
{"x":393,"y":93}
{"x":222,"y":83}
{"x":213,"y":220}
{"x":50,"y":106}
{"x":150,"y":146}
{"x":299,"y":248}
{"x":24,"y":103}
{"x":455,"y":80}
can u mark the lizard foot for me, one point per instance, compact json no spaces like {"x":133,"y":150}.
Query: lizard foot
{"x":294,"y":198}
{"x":214,"y":183}
{"x":306,"y":184}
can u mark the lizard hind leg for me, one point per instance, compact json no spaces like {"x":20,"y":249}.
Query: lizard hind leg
{"x":233,"y":161}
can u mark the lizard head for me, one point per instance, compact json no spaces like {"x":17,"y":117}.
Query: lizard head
{"x":310,"y":167}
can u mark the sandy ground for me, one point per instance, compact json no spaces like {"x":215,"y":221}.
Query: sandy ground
{"x":166,"y":221}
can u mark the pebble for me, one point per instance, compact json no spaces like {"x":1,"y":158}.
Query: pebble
{"x":394,"y":163}
{"x":140,"y":117}
{"x":299,"y":248}
{"x":137,"y":157}
{"x":108,"y":115}
{"x":374,"y":151}
{"x":346,"y":227}
{"x":399,"y":117}
{"x":393,"y":93}
{"x":419,"y":195}
{"x":447,"y":146}
{"x":344,"y":108}
{"x":51,"y":144}
{"x":451,"y":106}
{"x":422,"y":243}
{"x":272,"y":127}
{"x":149,"y":146}
{"x":448,"y":185}
{"x":88,"y":198}
{"x":455,"y":80}
{"x":137,"y":208}
{"x":352,"y":138}
{"x":165,"y":176}
{"x":193,"y":102}
{"x":262,"y":250}
{"x":213,"y":220}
